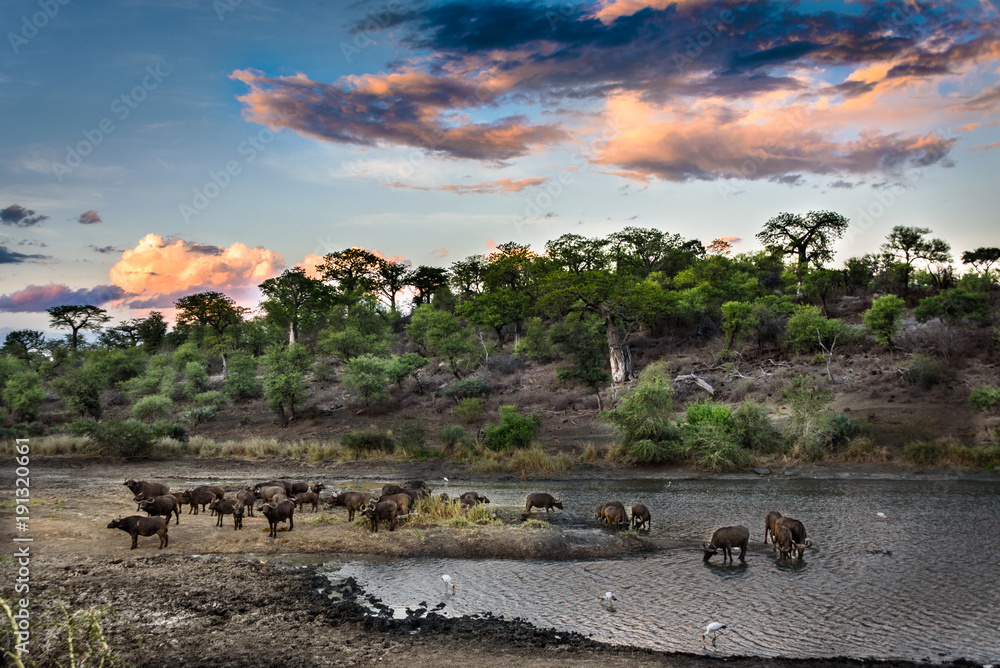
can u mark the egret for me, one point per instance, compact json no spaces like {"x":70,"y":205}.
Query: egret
{"x":712,"y":629}
{"x":880,"y":515}
{"x":448,"y":583}
{"x":609,"y":597}
{"x":446,"y":481}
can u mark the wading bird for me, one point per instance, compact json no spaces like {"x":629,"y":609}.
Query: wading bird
{"x":713,"y":629}
{"x":880,"y":515}
{"x":448,"y":583}
{"x":609,"y":597}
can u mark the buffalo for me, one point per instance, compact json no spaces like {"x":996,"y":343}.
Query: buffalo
{"x":268,"y":492}
{"x":182,"y":498}
{"x":353,"y":501}
{"x":302,"y":498}
{"x":726,"y":539}
{"x":612,"y":512}
{"x":200,"y":497}
{"x":541,"y":500}
{"x":162,"y":505}
{"x":798,"y":534}
{"x":278,"y":512}
{"x":470,"y":499}
{"x":403,"y":501}
{"x":137,"y":525}
{"x":247,"y":498}
{"x":381,"y":510}
{"x":640,"y":516}
{"x":223,"y":507}
{"x":770,"y":525}
{"x":146,"y":490}
{"x":285,"y":484}
{"x":783,"y":541}
{"x":238,"y":514}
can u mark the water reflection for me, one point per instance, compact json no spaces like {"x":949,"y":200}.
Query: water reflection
{"x":928,"y":599}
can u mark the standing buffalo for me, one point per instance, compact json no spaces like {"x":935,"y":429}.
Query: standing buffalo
{"x":247,"y":498}
{"x":238,"y":515}
{"x":223,"y":507}
{"x":541,"y":500}
{"x":726,"y":539}
{"x":770,"y":525}
{"x":381,"y":510}
{"x":640,"y":516}
{"x":797,"y":530}
{"x":200,"y":497}
{"x":302,"y":498}
{"x":353,"y":501}
{"x":278,"y":512}
{"x":403,"y":502}
{"x":146,"y":490}
{"x":269,"y":492}
{"x":182,"y":498}
{"x":612,"y":512}
{"x":162,"y":505}
{"x":137,"y":525}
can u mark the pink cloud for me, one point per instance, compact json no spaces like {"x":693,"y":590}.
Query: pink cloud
{"x":37,"y":298}
{"x":501,"y":186}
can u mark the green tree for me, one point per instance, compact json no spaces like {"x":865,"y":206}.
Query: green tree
{"x":23,"y":394}
{"x":737,"y":321}
{"x":152,"y":330}
{"x":294,"y":299}
{"x":640,"y":251}
{"x":954,"y":306}
{"x":357,"y":329}
{"x":77,"y":319}
{"x":390,"y":278}
{"x":644,"y":413}
{"x":242,"y":383}
{"x":368,"y":377}
{"x":213,"y":310}
{"x":403,"y":366}
{"x":80,"y":389}
{"x":577,"y":254}
{"x":583,"y":340}
{"x":353,"y":270}
{"x":982,"y":258}
{"x":444,"y":335}
{"x":24,"y":343}
{"x":468,"y":276}
{"x":284,"y":380}
{"x":885,"y":318}
{"x":426,"y":281}
{"x":809,"y":239}
{"x":907,"y":245}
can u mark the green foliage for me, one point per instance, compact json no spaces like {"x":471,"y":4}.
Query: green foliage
{"x":403,"y":366}
{"x":646,"y":451}
{"x":885,"y":318}
{"x":80,"y":389}
{"x":152,"y":407}
{"x":186,"y":354}
{"x":198,"y":415}
{"x":708,"y":411}
{"x":120,"y":438}
{"x":807,"y":327}
{"x":583,"y":338}
{"x":442,"y":334}
{"x":466,"y":388}
{"x":118,"y":365}
{"x":284,"y":379}
{"x":242,"y":383}
{"x":754,"y":429}
{"x":452,"y":435}
{"x":368,"y":377}
{"x":469,"y":410}
{"x":23,"y":394}
{"x":159,"y":378}
{"x":362,"y":442}
{"x":921,"y":453}
{"x":954,"y":306}
{"x":984,"y":398}
{"x":713,"y":447}
{"x":809,"y":422}
{"x":645,"y":412}
{"x":412,"y":438}
{"x":535,"y":344}
{"x":513,"y":431}
{"x":212,"y":399}
{"x":843,"y":429}
{"x":923,"y":371}
{"x":195,"y":378}
{"x":737,"y":321}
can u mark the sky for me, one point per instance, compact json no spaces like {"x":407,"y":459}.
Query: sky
{"x":151,"y":149}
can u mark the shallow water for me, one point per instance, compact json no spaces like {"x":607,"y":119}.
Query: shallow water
{"x":937,"y":597}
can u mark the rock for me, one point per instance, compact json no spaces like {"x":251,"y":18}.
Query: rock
{"x":762,"y":471}
{"x":791,"y":472}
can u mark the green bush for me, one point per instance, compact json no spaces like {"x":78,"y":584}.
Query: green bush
{"x":535,"y":344}
{"x":923,"y":371}
{"x":80,"y":389}
{"x":195,"y":379}
{"x":367,"y":440}
{"x":466,"y":388}
{"x":412,"y":438}
{"x":809,"y":423}
{"x":754,"y":429}
{"x":23,"y":394}
{"x":986,"y":456}
{"x":737,"y":322}
{"x":650,"y":452}
{"x":211,"y":399}
{"x":187,"y":353}
{"x":922,"y":453}
{"x":284,"y":379}
{"x":709,"y":411}
{"x":120,"y":438}
{"x":368,"y":376}
{"x":843,"y":429}
{"x":152,"y":407}
{"x":513,"y":431}
{"x":452,"y":435}
{"x":242,"y":383}
{"x":198,"y":415}
{"x":885,"y":318}
{"x":469,"y":410}
{"x":645,"y":412}
{"x":807,"y":327}
{"x":984,"y":398}
{"x":713,"y":447}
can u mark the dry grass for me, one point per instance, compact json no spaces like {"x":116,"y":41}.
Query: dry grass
{"x":863,"y":449}
{"x":433,"y":511}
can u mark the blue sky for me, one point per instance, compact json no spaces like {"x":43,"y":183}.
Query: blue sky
{"x":256,"y":135}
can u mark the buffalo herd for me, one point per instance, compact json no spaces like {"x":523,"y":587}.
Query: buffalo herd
{"x":278,"y":500}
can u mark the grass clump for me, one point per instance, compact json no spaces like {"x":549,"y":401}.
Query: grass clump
{"x":754,"y":429}
{"x":366,"y":441}
{"x":863,"y":449}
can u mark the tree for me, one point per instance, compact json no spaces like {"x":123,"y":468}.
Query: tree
{"x":368,"y":377}
{"x":426,"y":280}
{"x":80,"y":389}
{"x":391,"y":278}
{"x":737,"y":321}
{"x":468,"y":275}
{"x":353,"y":270}
{"x":209,"y":309}
{"x":358,"y":329}
{"x":284,"y":380}
{"x":907,"y":244}
{"x":21,"y":343}
{"x":808,"y":239}
{"x":443,"y":334}
{"x":23,"y":394}
{"x":293,"y":299}
{"x":576,"y":253}
{"x":582,"y":339}
{"x":152,"y":329}
{"x":77,"y":319}
{"x":982,"y":258}
{"x":819,"y":283}
{"x":885,"y":318}
{"x":242,"y":383}
{"x":641,"y":251}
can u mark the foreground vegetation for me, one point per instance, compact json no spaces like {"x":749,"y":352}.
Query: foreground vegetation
{"x":142,"y":390}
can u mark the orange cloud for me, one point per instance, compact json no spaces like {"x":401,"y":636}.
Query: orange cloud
{"x":501,"y":186}
{"x":157,"y":272}
{"x":440,"y":252}
{"x":309,"y":263}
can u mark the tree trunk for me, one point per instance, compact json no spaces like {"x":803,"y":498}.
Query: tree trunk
{"x":292,"y":332}
{"x":225,"y":366}
{"x":600,"y":404}
{"x":621,"y":356}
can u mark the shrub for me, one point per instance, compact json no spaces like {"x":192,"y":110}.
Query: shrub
{"x":362,"y":442}
{"x":412,"y":438}
{"x":810,"y":417}
{"x":863,"y":449}
{"x":23,"y":394}
{"x":242,"y":383}
{"x":403,"y":366}
{"x":986,"y":456}
{"x":589,"y":454}
{"x":923,"y":371}
{"x":211,"y":399}
{"x":954,"y":306}
{"x":152,"y":407}
{"x":80,"y":389}
{"x":198,"y":415}
{"x":984,"y":398}
{"x":195,"y":379}
{"x":187,"y":353}
{"x":535,"y":344}
{"x":714,"y":448}
{"x":921,"y":452}
{"x":709,"y":411}
{"x":645,"y":412}
{"x":807,"y":327}
{"x":368,"y":377}
{"x":737,"y":321}
{"x":451,"y":435}
{"x":284,"y":379}
{"x":844,"y":430}
{"x":754,"y":429}
{"x":466,"y":388}
{"x":120,"y":438}
{"x":650,"y":452}
{"x":513,"y":431}
{"x":468,"y":410}
{"x":885,"y":318}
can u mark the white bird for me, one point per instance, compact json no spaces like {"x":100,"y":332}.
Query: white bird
{"x":609,"y":597}
{"x":880,"y":515}
{"x":712,"y":629}
{"x":446,"y":481}
{"x":448,"y":583}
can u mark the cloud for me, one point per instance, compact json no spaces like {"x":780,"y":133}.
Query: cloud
{"x":987,"y":100}
{"x":106,"y":250}
{"x":403,"y":109}
{"x":37,"y":298}
{"x":13,"y":257}
{"x":157,"y":272}
{"x":985,"y":147}
{"x":841,"y":184}
{"x":440,"y":253}
{"x":19,"y":216}
{"x":501,"y":186}
{"x":88,"y":218}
